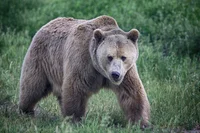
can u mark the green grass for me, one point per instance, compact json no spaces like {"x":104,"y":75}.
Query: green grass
{"x":168,"y":64}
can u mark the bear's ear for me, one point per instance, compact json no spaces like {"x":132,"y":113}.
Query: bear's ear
{"x":98,"y":35}
{"x":133,"y":35}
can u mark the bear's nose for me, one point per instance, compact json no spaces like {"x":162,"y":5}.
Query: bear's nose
{"x":115,"y":75}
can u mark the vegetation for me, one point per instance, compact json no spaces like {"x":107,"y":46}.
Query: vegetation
{"x":168,"y":64}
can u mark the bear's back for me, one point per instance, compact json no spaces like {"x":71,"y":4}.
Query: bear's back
{"x":61,"y":26}
{"x":64,"y":26}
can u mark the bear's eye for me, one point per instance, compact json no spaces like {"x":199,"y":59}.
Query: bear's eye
{"x":123,"y":58}
{"x":110,"y":58}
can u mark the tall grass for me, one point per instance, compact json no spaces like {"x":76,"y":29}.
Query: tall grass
{"x":168,"y":64}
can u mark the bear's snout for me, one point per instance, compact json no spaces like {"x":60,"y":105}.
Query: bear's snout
{"x":115,"y":75}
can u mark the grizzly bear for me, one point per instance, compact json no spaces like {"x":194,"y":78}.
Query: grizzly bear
{"x":75,"y":58}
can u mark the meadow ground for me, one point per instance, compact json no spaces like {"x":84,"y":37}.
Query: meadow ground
{"x":169,"y":64}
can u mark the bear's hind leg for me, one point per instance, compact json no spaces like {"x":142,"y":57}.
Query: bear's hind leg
{"x":33,"y":87}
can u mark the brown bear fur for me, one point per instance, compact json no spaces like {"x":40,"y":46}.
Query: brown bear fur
{"x":75,"y":58}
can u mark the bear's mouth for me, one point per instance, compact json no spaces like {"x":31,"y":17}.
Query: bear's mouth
{"x":116,"y":82}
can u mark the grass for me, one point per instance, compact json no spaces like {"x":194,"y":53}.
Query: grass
{"x":168,"y":64}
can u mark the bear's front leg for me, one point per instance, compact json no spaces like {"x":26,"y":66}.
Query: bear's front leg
{"x":133,"y":99}
{"x":74,"y":100}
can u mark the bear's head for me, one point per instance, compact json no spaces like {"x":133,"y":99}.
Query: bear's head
{"x":114,"y":52}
